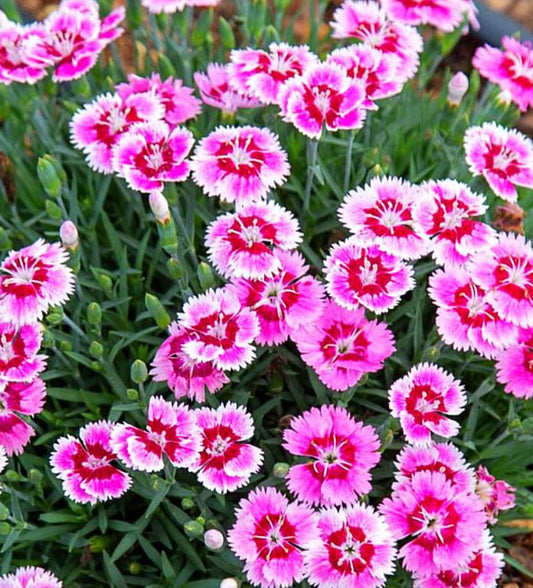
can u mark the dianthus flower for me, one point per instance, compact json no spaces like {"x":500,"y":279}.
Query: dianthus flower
{"x":444,"y":211}
{"x":368,"y":22}
{"x":19,"y":361}
{"x":242,"y":244}
{"x":224,"y":330}
{"x":239,"y":164}
{"x":225,"y":463}
{"x":511,"y":69}
{"x":444,"y":458}
{"x":26,"y":398}
{"x":506,"y":272}
{"x":14,"y":66}
{"x":445,"y":15}
{"x":444,"y":526}
{"x":85,"y":469}
{"x":171,"y":430}
{"x":284,"y":302}
{"x":342,"y":345}
{"x":30,"y":577}
{"x":495,"y":494}
{"x":184,"y":375}
{"x":178,"y":101}
{"x":96,"y":127}
{"x":261,"y":74}
{"x":372,"y":68}
{"x":354,"y":548}
{"x":32,"y":279}
{"x":422,"y":398}
{"x":323,"y":96}
{"x":515,"y":366}
{"x":381,"y":213}
{"x":215,"y":90}
{"x":340,"y":453}
{"x":369,"y":276}
{"x":171,"y":6}
{"x":269,"y":534}
{"x":466,"y":319}
{"x":149,"y":154}
{"x":504,"y":157}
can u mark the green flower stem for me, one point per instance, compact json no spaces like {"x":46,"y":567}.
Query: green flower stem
{"x":348,"y":162}
{"x":312,"y":151}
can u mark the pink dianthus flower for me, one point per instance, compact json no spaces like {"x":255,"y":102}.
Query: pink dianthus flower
{"x":269,"y":535}
{"x":14,"y":65}
{"x":340,"y":452}
{"x":30,"y":577}
{"x":171,"y":6}
{"x":515,"y":365}
{"x":445,"y":15}
{"x":495,"y":494}
{"x":19,"y":361}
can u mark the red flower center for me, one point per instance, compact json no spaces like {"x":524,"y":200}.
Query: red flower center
{"x":240,"y":156}
{"x":274,"y":537}
{"x":349,"y":552}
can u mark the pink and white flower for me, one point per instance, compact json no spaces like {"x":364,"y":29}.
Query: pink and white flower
{"x":239,"y":164}
{"x":353,"y":548}
{"x":495,"y":494}
{"x":381,"y":213}
{"x":30,"y":577}
{"x":149,"y":154}
{"x":14,"y":65}
{"x":261,"y":74}
{"x":366,"y":275}
{"x":85,"y":469}
{"x":422,"y":398}
{"x":185,"y":375}
{"x":216,"y":90}
{"x":342,"y":345}
{"x":444,"y":527}
{"x":19,"y":361}
{"x":444,"y":211}
{"x":171,"y":430}
{"x":511,"y":69}
{"x":19,"y":398}
{"x":32,"y":279}
{"x":442,"y":14}
{"x":515,"y":366}
{"x":171,"y":6}
{"x":225,"y":463}
{"x":269,"y":535}
{"x":340,"y":453}
{"x":242,"y":244}
{"x":323,"y":96}
{"x":284,"y":302}
{"x":504,"y":157}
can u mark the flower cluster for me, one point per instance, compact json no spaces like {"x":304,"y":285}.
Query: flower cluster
{"x":32,"y":280}
{"x":69,"y":40}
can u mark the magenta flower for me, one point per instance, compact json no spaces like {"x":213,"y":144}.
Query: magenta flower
{"x":370,"y":276}
{"x":239,"y":164}
{"x":505,"y":272}
{"x":353,"y":548}
{"x":381,"y":213}
{"x":171,"y":6}
{"x":225,"y":463}
{"x":178,"y":101}
{"x":342,"y":345}
{"x":466,"y":319}
{"x":504,"y":157}
{"x":511,"y":69}
{"x":444,"y":15}
{"x":515,"y":365}
{"x":261,"y":74}
{"x":444,"y":211}
{"x":323,"y":95}
{"x":184,"y":375}
{"x":242,"y":244}
{"x":224,"y":330}
{"x":96,"y":127}
{"x":19,"y":361}
{"x":340,"y":452}
{"x":171,"y":430}
{"x":269,"y":534}
{"x":215,"y":90}
{"x":85,"y":469}
{"x":422,"y":398}
{"x":149,"y":154}
{"x":32,"y":279}
{"x":495,"y":494}
{"x":30,"y":577}
{"x":284,"y":302}
{"x":25,"y":398}
{"x":14,"y":65}
{"x":444,"y":527}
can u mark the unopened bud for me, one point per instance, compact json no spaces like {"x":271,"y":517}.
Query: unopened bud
{"x":157,"y":311}
{"x":187,"y":503}
{"x":5,"y":528}
{"x":205,"y":275}
{"x":69,"y":235}
{"x":139,"y":371}
{"x":106,"y":282}
{"x":214,"y":539}
{"x":35,"y":476}
{"x":193,"y":528}
{"x":94,"y":313}
{"x":159,"y":206}
{"x":457,"y":88}
{"x":132,"y":394}
{"x":53,"y":210}
{"x":49,"y":177}
{"x":230,"y":583}
{"x":98,"y":543}
{"x":175,"y":269}
{"x":135,"y":568}
{"x":4,"y":512}
{"x":280,"y":469}
{"x":96,"y":349}
{"x":505,"y":98}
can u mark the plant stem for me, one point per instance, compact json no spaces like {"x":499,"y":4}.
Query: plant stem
{"x":348,"y":162}
{"x":312,"y":150}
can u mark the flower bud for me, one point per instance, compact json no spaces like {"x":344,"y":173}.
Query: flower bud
{"x":230,"y":583}
{"x":69,"y":235}
{"x":5,"y":528}
{"x":132,"y":394}
{"x":175,"y":269}
{"x":98,"y":543}
{"x":157,"y":311}
{"x":193,"y":528}
{"x":35,"y":476}
{"x":214,"y":539}
{"x":187,"y":503}
{"x":205,"y":275}
{"x":280,"y":469}
{"x":159,"y":206}
{"x":96,"y":349}
{"x":135,"y":568}
{"x":49,"y":177}
{"x":457,"y":88}
{"x":4,"y":512}
{"x":53,"y":210}
{"x":65,"y":345}
{"x":139,"y":371}
{"x":226,"y":33}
